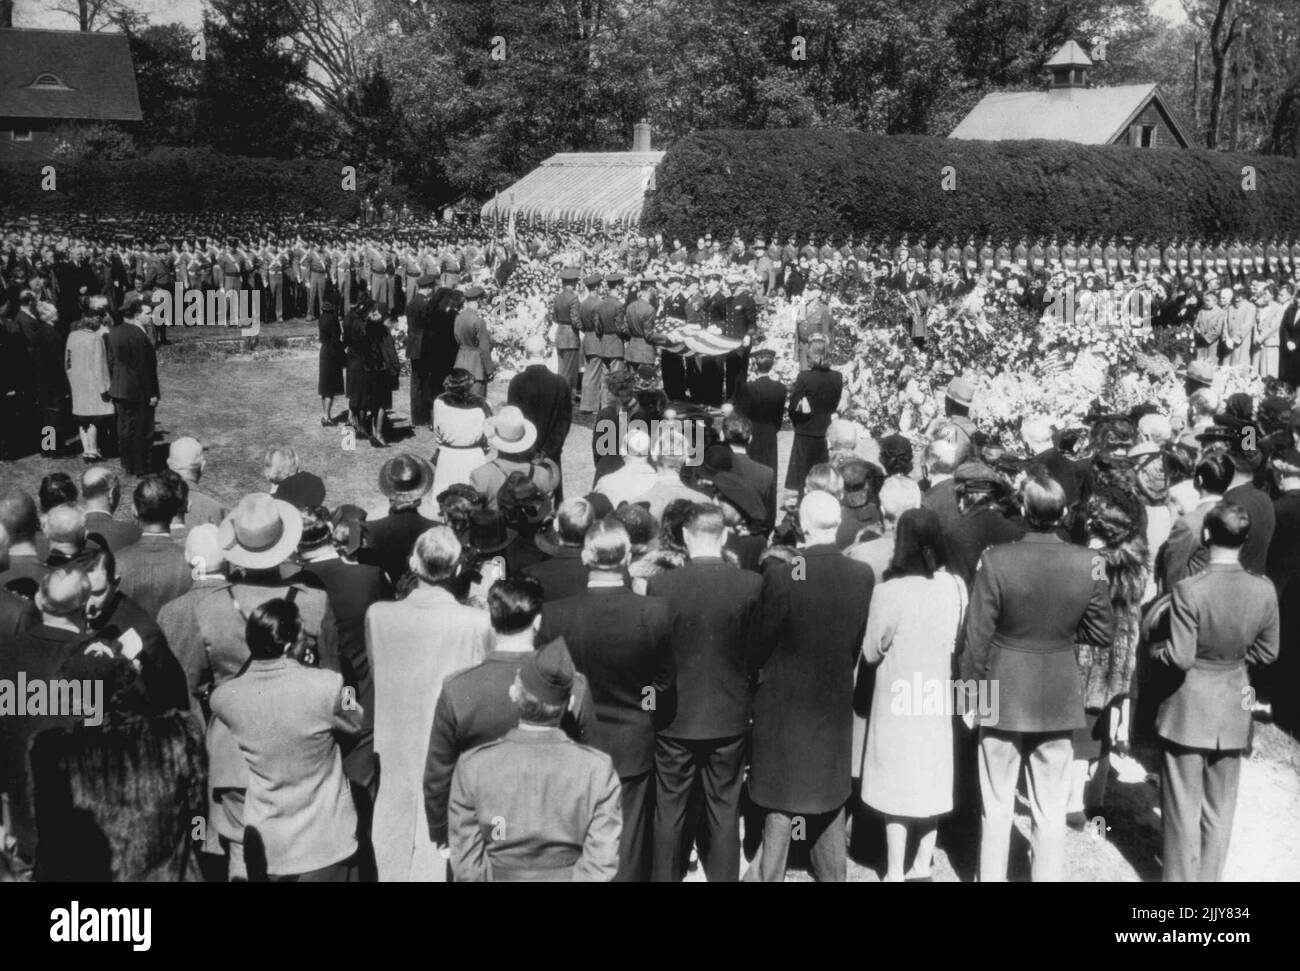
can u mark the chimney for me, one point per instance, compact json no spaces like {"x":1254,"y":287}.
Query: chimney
{"x":640,"y":134}
{"x":6,"y":13}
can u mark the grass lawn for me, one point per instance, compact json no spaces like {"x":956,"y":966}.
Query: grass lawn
{"x":240,"y":405}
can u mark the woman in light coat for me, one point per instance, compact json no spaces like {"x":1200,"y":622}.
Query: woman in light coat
{"x":912,"y":632}
{"x":86,"y":364}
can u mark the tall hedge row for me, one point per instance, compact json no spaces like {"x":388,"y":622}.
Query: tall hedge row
{"x":823,"y":181}
{"x":180,"y":180}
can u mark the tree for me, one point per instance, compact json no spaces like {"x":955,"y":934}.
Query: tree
{"x":97,"y":14}
{"x":1222,"y":20}
{"x":168,"y":80}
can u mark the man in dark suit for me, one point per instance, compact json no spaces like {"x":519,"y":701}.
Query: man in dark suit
{"x":1289,"y":336}
{"x":814,"y":616}
{"x":1032,"y":601}
{"x":133,"y":386}
{"x":1220,"y":621}
{"x":419,"y":326}
{"x":101,"y":493}
{"x":562,"y":573}
{"x":16,"y":613}
{"x":405,"y":479}
{"x":739,"y":323}
{"x":1243,"y":491}
{"x":1284,"y":571}
{"x":439,"y":347}
{"x":546,"y":400}
{"x":737,"y":431}
{"x":622,"y":642}
{"x":153,"y":570}
{"x":762,"y":401}
{"x":715,"y":614}
{"x":474,"y":706}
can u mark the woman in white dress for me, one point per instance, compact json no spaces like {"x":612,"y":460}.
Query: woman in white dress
{"x":907,"y":762}
{"x":458,"y":417}
{"x":86,"y":363}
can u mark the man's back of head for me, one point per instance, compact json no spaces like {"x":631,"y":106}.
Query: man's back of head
{"x":19,"y":517}
{"x":101,"y":490}
{"x":156,"y":501}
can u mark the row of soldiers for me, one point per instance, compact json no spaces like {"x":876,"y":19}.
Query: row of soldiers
{"x":608,"y":327}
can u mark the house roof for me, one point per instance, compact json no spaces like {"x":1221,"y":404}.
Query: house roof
{"x":607,"y":187}
{"x":1088,"y":116}
{"x":96,"y":80}
{"x":1069,"y":55}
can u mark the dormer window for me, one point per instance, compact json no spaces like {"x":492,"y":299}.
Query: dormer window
{"x":49,"y":82}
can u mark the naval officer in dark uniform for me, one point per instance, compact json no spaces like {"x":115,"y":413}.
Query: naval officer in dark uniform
{"x":568,"y":339}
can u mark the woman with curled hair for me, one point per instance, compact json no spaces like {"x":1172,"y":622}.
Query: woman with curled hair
{"x":299,"y":818}
{"x":1113,"y":522}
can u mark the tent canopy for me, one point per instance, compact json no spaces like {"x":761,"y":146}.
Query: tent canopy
{"x":592,"y":187}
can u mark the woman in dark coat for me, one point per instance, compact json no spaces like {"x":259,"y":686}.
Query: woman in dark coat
{"x":354,"y":356}
{"x":329,"y":384}
{"x":814,"y":398}
{"x":762,"y":401}
{"x":382,"y":367}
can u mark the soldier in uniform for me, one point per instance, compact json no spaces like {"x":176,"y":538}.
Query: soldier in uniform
{"x":317,"y":273}
{"x":568,"y":340}
{"x":474,"y":343}
{"x":613,"y":331}
{"x":740,"y":322}
{"x":638,"y":316}
{"x":671,"y":364}
{"x":593,"y":376}
{"x":535,"y":805}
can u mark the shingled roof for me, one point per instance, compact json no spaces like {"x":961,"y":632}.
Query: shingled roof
{"x":1088,"y":116}
{"x":606,"y":187}
{"x":83,"y":76}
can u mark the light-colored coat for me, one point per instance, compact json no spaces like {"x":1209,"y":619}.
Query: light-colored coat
{"x":283,"y":715}
{"x":413,"y":646}
{"x":86,"y":362}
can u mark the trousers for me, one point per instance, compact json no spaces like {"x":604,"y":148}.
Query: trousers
{"x":1048,"y":785}
{"x":593,"y":385}
{"x":635,"y":800}
{"x":716,"y":764}
{"x":1198,"y":799}
{"x":134,"y":434}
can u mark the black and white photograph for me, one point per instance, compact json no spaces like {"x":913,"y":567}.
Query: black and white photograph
{"x":649,"y":441}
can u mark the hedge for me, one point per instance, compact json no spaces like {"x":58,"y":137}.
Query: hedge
{"x":180,"y":180}
{"x":826,"y":181}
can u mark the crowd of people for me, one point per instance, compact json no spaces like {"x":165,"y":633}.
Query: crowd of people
{"x":496,"y":672}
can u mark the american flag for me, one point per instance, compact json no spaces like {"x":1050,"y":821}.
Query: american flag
{"x":692,"y":339}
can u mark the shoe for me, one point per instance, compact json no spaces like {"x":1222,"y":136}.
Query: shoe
{"x":1077,"y":821}
{"x":378,"y":443}
{"x":326,"y":422}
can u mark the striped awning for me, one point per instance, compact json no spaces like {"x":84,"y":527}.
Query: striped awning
{"x":594,"y":188}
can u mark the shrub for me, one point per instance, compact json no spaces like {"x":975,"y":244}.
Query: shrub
{"x":825,"y":181}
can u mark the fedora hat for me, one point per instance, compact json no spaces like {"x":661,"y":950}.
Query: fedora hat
{"x":509,"y":431}
{"x":260,"y":532}
{"x":405,"y":477}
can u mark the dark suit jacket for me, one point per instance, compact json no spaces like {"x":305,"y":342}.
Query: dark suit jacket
{"x":622,"y":642}
{"x":117,"y":533}
{"x":715,"y":617}
{"x":822,"y":389}
{"x":154,"y":571}
{"x":388,"y":541}
{"x":814,"y":616}
{"x":161,"y":674}
{"x":561,"y":575}
{"x":418,"y":319}
{"x":1219,"y":620}
{"x":981,"y":527}
{"x":762,"y":401}
{"x":1032,"y":601}
{"x":547,"y":401}
{"x":474,"y":708}
{"x":762,"y":478}
{"x":16,"y":615}
{"x":132,"y":364}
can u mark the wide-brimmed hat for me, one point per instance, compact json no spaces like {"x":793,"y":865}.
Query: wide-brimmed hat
{"x":1202,"y":372}
{"x":405,"y":477}
{"x":961,"y":390}
{"x":509,"y":431}
{"x":260,"y":532}
{"x":488,"y":532}
{"x":734,"y":489}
